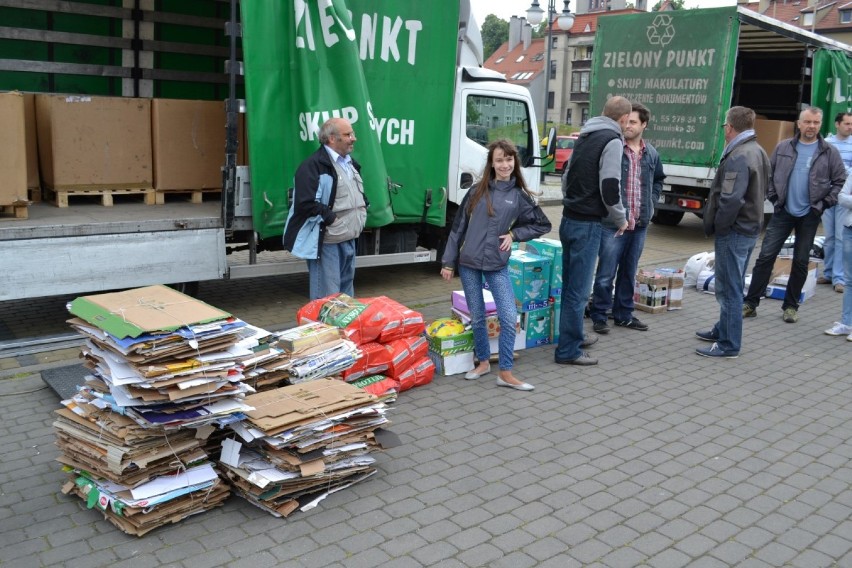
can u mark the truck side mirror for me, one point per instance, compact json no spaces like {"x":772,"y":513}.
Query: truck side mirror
{"x":551,"y":142}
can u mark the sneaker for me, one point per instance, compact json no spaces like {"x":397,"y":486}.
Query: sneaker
{"x":715,"y":351}
{"x":632,"y":323}
{"x":839,"y":329}
{"x":589,"y":340}
{"x":790,"y":315}
{"x":823,"y":280}
{"x":583,"y":359}
{"x":710,"y":336}
{"x":849,"y":337}
{"x":749,"y":311}
{"x":601,"y":327}
{"x":839,"y":288}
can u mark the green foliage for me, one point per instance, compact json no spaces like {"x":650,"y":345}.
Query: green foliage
{"x":473,"y":115}
{"x":495,"y":32}
{"x":676,"y":4}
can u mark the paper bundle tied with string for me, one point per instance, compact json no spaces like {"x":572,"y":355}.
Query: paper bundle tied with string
{"x":143,"y":310}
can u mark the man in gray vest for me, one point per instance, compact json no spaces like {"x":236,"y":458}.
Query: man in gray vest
{"x":328,"y":212}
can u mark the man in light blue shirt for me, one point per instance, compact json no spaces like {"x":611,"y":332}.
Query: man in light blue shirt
{"x":832,"y":218}
{"x":807,"y":175}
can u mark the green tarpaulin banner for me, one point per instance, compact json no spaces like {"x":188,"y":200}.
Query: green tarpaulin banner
{"x":831,"y":86}
{"x":387,"y":66}
{"x":671,"y":62}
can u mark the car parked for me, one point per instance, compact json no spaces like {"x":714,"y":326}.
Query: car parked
{"x":564,"y":148}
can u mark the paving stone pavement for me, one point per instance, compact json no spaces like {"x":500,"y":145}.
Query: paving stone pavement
{"x":656,"y":457}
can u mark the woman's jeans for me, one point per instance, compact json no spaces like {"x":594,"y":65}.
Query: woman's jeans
{"x":501,"y":288}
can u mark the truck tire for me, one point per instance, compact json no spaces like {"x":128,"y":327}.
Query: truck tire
{"x":667,"y":218}
{"x":188,"y":288}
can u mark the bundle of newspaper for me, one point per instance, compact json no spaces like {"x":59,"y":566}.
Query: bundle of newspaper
{"x":303,"y":442}
{"x":164,"y":370}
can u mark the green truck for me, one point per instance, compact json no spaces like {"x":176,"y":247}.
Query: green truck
{"x":407,"y":74}
{"x":689,"y":66}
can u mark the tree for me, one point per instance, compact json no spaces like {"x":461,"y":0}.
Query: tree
{"x":495,"y":32}
{"x":675,"y":4}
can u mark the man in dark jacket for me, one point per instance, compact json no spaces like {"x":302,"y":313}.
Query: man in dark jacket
{"x":328,"y":212}
{"x":618,"y":257}
{"x":733,"y":214}
{"x":807,"y":175}
{"x":592,"y":188}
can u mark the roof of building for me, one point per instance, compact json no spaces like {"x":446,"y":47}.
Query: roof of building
{"x":793,"y":13}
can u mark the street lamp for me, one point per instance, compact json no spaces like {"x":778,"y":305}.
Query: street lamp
{"x":535,"y":15}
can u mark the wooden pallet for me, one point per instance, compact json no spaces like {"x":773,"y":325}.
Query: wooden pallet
{"x":60,"y":196}
{"x":195,"y":195}
{"x":34,"y":193}
{"x":14,"y":211}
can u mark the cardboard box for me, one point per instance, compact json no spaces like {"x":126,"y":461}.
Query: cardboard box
{"x":771,"y":132}
{"x":551,"y":249}
{"x":188,"y":143}
{"x":460,"y":302}
{"x":555,"y":318}
{"x":674,"y":295}
{"x":94,"y":142}
{"x":520,"y":343}
{"x":535,"y":325}
{"x":650,"y":292}
{"x":530,"y":275}
{"x":492,"y":322}
{"x":454,"y":364}
{"x":452,"y":344}
{"x":33,"y":180}
{"x":13,"y":157}
{"x":777,"y":287}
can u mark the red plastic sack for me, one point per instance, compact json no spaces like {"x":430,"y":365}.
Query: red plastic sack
{"x":361,"y":322}
{"x":311,"y":311}
{"x":405,"y":352}
{"x":419,"y":374}
{"x":400,"y":321}
{"x":374,"y":360}
{"x":378,"y":385}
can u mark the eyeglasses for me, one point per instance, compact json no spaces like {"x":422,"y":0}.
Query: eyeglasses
{"x":724,"y":125}
{"x":351,"y":135}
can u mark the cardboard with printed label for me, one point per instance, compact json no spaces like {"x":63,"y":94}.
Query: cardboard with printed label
{"x":530,"y":275}
{"x":551,"y":249}
{"x":650,"y":292}
{"x":535,"y":326}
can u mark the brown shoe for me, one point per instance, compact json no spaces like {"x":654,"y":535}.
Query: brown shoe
{"x":839,"y":288}
{"x":823,"y":280}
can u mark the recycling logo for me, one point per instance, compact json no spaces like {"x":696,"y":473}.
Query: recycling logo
{"x":661,"y":31}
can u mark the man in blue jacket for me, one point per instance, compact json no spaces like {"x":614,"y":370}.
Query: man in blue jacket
{"x":328,"y":212}
{"x":807,"y":175}
{"x":734,"y":214}
{"x":618,"y":258}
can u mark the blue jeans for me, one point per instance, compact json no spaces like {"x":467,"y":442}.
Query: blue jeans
{"x":832,"y":225}
{"x":580,"y":244}
{"x":618,"y":259}
{"x":500,"y":287}
{"x":733,"y":252}
{"x":333,"y":271}
{"x":780,"y":227}
{"x":846,"y":318}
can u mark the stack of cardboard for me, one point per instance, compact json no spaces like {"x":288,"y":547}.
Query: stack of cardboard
{"x":659,"y":290}
{"x":552,"y":250}
{"x":303,"y":442}
{"x":164,"y":370}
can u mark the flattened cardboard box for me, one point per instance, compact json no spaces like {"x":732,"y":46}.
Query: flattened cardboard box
{"x":13,"y":157}
{"x":144,"y":310}
{"x":188,"y":139}
{"x":94,"y":142}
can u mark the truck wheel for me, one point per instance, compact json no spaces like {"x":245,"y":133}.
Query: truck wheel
{"x":667,"y":218}
{"x":188,"y":288}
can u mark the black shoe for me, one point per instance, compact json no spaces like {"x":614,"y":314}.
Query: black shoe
{"x":583,"y":359}
{"x":589,"y":340}
{"x":601,"y":327}
{"x":632,"y":323}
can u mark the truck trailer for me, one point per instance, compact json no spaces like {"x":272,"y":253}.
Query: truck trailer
{"x":690,"y":66}
{"x":408,"y":75}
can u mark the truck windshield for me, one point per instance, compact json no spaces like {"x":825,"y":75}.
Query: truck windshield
{"x":490,"y":118}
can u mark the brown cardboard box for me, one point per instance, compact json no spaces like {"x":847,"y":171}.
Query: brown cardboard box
{"x":33,"y":181}
{"x":13,"y":159}
{"x":94,"y":142}
{"x":188,"y":143}
{"x":771,"y":132}
{"x":650,"y":292}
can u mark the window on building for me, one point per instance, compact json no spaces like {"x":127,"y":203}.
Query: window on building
{"x":519,"y":59}
{"x":551,"y":97}
{"x":580,"y":81}
{"x":845,"y":16}
{"x":553,"y":70}
{"x":568,"y":116}
{"x":554,"y":41}
{"x":808,"y":19}
{"x":584,"y":116}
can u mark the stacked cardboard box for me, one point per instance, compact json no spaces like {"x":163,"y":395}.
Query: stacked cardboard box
{"x":551,"y":249}
{"x":13,"y":158}
{"x":531,"y":277}
{"x":304,"y":442}
{"x":777,"y":287}
{"x":650,"y":292}
{"x":164,"y":371}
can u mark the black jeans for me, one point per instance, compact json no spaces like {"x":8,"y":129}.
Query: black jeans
{"x":780,"y":227}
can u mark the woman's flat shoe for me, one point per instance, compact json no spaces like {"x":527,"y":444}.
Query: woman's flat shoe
{"x":520,"y":387}
{"x":471,"y":375}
